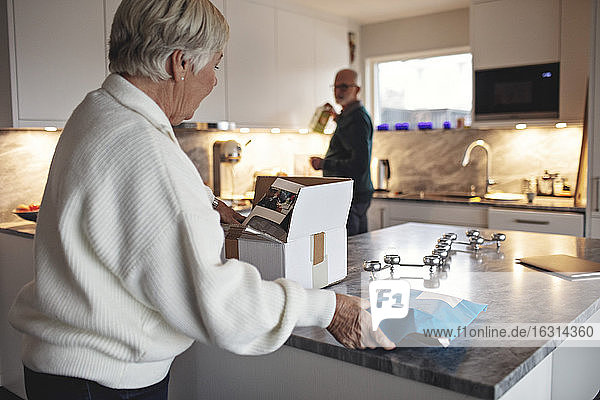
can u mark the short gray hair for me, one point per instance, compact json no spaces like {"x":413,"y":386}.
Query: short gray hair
{"x":145,"y":33}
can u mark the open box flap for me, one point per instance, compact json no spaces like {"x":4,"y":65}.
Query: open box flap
{"x":263,"y":183}
{"x":321,"y":207}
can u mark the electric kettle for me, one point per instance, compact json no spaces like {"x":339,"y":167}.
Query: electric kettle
{"x":383,"y":176}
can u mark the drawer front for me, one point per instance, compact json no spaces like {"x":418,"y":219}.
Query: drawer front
{"x":446,"y":214}
{"x":536,"y":221}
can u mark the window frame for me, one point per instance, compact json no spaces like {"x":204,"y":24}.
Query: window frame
{"x":371,"y":100}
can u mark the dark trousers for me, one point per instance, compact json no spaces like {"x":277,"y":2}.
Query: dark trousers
{"x":357,"y":218}
{"x":40,"y":386}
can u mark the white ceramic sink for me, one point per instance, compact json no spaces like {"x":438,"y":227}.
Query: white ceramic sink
{"x":504,"y":196}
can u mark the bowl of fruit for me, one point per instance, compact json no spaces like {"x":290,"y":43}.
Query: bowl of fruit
{"x":28,"y":212}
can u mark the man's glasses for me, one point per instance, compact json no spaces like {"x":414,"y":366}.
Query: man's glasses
{"x":343,"y":86}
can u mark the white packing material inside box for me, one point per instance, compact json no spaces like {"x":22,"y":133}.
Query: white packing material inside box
{"x":296,"y":230}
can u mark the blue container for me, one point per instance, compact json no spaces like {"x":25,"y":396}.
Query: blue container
{"x":402,"y":126}
{"x":447,"y":125}
{"x":383,"y":127}
{"x":425,"y":125}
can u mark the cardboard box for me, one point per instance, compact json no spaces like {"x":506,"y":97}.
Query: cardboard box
{"x":309,"y":244}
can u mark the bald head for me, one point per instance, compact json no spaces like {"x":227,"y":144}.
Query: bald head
{"x":346,"y":87}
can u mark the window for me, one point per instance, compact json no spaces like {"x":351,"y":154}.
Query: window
{"x":432,"y":89}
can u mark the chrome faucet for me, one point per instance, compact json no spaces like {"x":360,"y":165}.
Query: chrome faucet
{"x":488,"y":151}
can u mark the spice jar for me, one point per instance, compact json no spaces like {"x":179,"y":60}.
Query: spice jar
{"x":545,"y":184}
{"x":557,"y":184}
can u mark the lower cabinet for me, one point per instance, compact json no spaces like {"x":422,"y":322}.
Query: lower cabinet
{"x":16,"y":269}
{"x":384,"y":213}
{"x":595,"y":226}
{"x":563,"y":223}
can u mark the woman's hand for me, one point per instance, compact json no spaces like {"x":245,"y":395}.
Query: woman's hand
{"x":228,"y":214}
{"x":351,"y":325}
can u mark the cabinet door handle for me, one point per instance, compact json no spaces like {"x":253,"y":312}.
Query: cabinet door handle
{"x":531,"y":221}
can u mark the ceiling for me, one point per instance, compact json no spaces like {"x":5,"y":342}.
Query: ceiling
{"x":371,"y":11}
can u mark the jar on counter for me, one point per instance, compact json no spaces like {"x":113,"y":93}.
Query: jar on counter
{"x":529,"y":185}
{"x":545,"y":184}
{"x":557,"y":184}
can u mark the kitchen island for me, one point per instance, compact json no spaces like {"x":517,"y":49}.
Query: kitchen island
{"x":313,"y":365}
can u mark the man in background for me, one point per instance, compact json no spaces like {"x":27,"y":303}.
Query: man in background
{"x":349,"y":152}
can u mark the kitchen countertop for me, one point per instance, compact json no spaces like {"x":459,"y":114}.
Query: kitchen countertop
{"x":544,"y":203}
{"x":21,"y":228}
{"x":514,"y":294}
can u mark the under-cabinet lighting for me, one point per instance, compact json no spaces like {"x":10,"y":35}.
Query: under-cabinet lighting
{"x":561,"y":125}
{"x":244,"y":130}
{"x":303,"y":130}
{"x":275,"y":130}
{"x":328,"y":131}
{"x":50,"y":128}
{"x":521,"y":126}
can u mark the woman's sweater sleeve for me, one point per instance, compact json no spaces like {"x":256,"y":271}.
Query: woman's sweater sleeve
{"x":180,"y":274}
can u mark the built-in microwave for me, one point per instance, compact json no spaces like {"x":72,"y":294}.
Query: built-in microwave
{"x":525,"y":92}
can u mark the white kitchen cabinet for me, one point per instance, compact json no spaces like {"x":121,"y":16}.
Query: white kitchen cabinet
{"x":16,"y":269}
{"x":59,"y":57}
{"x":562,"y":223}
{"x":251,"y":64}
{"x":593,"y":187}
{"x":280,"y":67}
{"x":331,"y":55}
{"x":595,"y":227}
{"x":378,"y":214}
{"x":437,"y":213}
{"x":514,"y":32}
{"x":214,"y":107}
{"x":574,"y":58}
{"x":384,"y":213}
{"x":296,"y":69}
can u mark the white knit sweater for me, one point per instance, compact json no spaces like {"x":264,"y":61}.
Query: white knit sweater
{"x":127,"y":256}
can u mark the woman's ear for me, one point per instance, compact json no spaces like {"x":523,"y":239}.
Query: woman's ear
{"x":176,"y":66}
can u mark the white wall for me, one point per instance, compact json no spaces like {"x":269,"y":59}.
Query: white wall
{"x":415,"y":34}
{"x":5,"y":99}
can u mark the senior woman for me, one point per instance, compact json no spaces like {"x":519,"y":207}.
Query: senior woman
{"x":127,"y":247}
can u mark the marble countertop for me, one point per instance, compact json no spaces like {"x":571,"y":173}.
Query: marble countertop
{"x":20,"y":228}
{"x":544,"y":203}
{"x":514,"y":294}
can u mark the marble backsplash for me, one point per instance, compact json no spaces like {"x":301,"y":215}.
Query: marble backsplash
{"x":431,"y":160}
{"x":419,"y":160}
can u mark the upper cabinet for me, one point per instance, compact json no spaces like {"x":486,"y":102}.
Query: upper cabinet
{"x":251,"y":64}
{"x":58,"y":57}
{"x":278,"y":67}
{"x":296,"y":66}
{"x":213,"y":108}
{"x":575,"y":33}
{"x":505,"y":33}
{"x":331,"y":54}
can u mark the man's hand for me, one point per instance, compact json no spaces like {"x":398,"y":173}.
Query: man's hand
{"x":316,"y":163}
{"x":351,"y":325}
{"x":228,"y":215}
{"x":329,"y":108}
